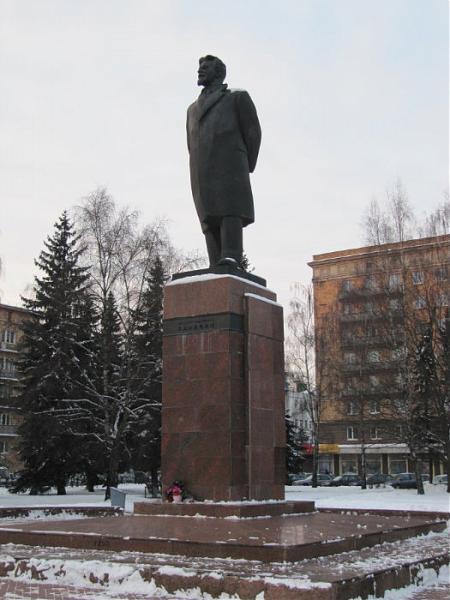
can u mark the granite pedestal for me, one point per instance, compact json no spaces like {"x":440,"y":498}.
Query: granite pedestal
{"x":223,"y":430}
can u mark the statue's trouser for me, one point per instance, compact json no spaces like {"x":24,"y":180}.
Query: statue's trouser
{"x":224,"y":240}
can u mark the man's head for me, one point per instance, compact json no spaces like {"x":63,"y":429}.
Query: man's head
{"x":211,"y":70}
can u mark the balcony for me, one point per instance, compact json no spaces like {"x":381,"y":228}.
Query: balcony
{"x":370,"y":367}
{"x":10,"y":375}
{"x":358,"y":294}
{"x":365,"y":342}
{"x":384,"y":315}
{"x":9,"y":430}
{"x":8,"y":347}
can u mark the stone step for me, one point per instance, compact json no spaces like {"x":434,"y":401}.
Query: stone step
{"x":287,"y":538}
{"x":370,"y":571}
{"x":242,"y":510}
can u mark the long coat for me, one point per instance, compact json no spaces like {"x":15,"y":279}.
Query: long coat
{"x":224,"y":136}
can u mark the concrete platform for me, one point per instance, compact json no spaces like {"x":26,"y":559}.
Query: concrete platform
{"x":272,"y":539}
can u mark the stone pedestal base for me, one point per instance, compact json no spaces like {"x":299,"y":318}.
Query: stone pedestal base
{"x":223,"y":431}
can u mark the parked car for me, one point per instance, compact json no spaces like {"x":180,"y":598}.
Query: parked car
{"x":440,"y":479}
{"x":297,"y":477}
{"x":346,"y":479}
{"x":404,"y":481}
{"x":4,"y":476}
{"x":322,"y":479}
{"x":379,"y":480}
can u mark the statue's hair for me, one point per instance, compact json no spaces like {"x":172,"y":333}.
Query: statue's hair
{"x":221,"y":70}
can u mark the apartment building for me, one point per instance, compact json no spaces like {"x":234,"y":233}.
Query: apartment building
{"x":11,"y":318}
{"x":371,"y":304}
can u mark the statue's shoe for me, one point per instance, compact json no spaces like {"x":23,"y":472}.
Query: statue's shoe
{"x":227,"y":260}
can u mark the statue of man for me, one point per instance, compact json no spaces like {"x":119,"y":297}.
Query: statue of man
{"x":223,"y":135}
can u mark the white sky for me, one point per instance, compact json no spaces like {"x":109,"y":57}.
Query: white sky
{"x":351,"y":94}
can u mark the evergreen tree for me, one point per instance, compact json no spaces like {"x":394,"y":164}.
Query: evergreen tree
{"x":444,"y":395}
{"x":54,"y":353}
{"x":295,"y":438}
{"x":424,"y":389}
{"x":146,"y":439}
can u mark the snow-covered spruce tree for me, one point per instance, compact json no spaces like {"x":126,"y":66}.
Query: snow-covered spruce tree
{"x":145,"y":440}
{"x":425,"y":382}
{"x":295,"y":438}
{"x":54,"y":354}
{"x":443,"y":409}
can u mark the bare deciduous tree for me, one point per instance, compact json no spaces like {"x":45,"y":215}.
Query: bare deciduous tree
{"x":309,"y":356}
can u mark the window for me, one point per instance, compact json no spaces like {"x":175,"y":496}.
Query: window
{"x":352,"y":433}
{"x":373,"y":356}
{"x":349,"y":358}
{"x":349,"y":464}
{"x":374,"y":382}
{"x":398,"y":353}
{"x":9,"y":336}
{"x":7,"y":365}
{"x":418,"y":277}
{"x":369,"y":308}
{"x":372,"y":331}
{"x":352,"y":409}
{"x":397,"y":465}
{"x":420,"y":302}
{"x":370,"y":283}
{"x":394,"y":304}
{"x":375,"y":433}
{"x":441,"y":274}
{"x":347,"y":285}
{"x":3,"y":446}
{"x":443,"y":324}
{"x":373,"y":464}
{"x":400,"y":380}
{"x":442,"y":299}
{"x":4,"y":419}
{"x":374,"y":407}
{"x":348,"y":309}
{"x":395,"y":281}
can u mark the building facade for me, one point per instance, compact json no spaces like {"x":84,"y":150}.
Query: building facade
{"x":297,"y":407}
{"x":371,"y":306}
{"x":11,"y":318}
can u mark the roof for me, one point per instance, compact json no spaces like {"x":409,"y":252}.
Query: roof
{"x":365,"y":251}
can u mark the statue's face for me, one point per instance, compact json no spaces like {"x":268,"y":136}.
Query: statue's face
{"x":206,"y":72}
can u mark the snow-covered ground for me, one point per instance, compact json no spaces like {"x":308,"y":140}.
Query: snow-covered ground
{"x":74,"y":496}
{"x":434,"y":499}
{"x":125,"y":580}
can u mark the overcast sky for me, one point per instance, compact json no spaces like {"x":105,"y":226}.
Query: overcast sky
{"x":351,"y":94}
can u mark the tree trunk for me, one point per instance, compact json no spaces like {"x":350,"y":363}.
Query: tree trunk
{"x":448,"y":462}
{"x":315,"y":464}
{"x":417,"y":473}
{"x":113,"y":473}
{"x":363,"y":467}
{"x":60,"y":488}
{"x":154,"y":481}
{"x":91,"y":480}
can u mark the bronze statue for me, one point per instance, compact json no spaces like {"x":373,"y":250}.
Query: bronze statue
{"x":223,"y":135}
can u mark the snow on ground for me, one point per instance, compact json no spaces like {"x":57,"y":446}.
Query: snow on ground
{"x":74,"y":496}
{"x":435,"y":498}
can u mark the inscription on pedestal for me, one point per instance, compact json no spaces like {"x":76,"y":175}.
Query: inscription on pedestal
{"x":200,"y":324}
